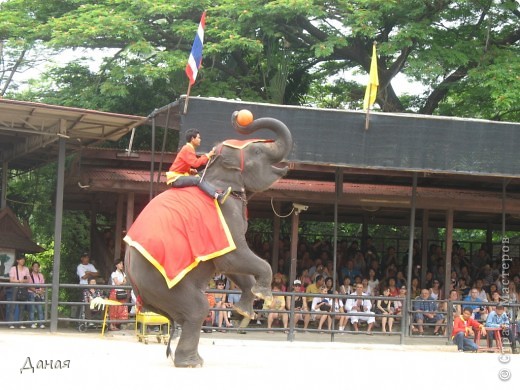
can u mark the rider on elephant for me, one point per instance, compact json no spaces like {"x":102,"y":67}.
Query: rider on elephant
{"x":182,"y":172}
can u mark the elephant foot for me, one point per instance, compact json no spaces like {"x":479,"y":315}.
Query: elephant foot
{"x":188,"y":363}
{"x":262,"y":292}
{"x":246,"y":312}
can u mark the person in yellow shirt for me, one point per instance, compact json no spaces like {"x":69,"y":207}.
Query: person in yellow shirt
{"x":276,"y":302}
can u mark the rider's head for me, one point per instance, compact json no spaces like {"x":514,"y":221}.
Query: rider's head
{"x":190,"y":134}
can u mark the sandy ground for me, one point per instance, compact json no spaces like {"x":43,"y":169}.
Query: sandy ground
{"x":122,"y":361}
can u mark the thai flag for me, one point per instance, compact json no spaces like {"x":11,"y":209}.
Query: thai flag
{"x":195,"y":59}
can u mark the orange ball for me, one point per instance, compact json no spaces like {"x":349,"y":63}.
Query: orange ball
{"x":244,"y":117}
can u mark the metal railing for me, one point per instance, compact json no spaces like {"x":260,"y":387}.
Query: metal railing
{"x":70,"y":312}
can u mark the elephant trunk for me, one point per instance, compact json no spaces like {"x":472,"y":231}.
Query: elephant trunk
{"x":283,"y":141}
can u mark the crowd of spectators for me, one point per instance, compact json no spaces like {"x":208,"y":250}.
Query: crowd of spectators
{"x":474,"y":278}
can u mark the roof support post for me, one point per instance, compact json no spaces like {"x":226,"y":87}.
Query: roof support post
{"x":449,"y":248}
{"x":424,"y":244}
{"x":130,"y":205}
{"x":119,"y":226}
{"x":275,"y":254}
{"x":410,"y":254}
{"x":3,"y":191}
{"x":57,"y":233}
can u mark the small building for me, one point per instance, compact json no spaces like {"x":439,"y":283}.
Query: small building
{"x":14,"y":238}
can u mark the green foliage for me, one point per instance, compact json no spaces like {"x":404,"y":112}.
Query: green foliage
{"x":277,"y":51}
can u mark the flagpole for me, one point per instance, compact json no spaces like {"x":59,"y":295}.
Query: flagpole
{"x":372,"y":74}
{"x":187,"y":97}
{"x":195,"y":58}
{"x":368,"y":113}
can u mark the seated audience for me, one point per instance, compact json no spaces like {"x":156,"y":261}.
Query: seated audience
{"x":322,"y":305}
{"x":300,"y":304}
{"x":277,"y":302}
{"x":498,"y":319}
{"x":425,"y":309}
{"x":464,"y":328}
{"x":357,"y":304}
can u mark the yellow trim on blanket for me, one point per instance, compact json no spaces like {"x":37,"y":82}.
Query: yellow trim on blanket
{"x":243,"y":143}
{"x":172,"y":282}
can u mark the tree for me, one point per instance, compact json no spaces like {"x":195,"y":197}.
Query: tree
{"x":290,"y":52}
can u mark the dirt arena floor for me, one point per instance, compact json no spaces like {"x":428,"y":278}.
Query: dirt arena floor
{"x":119,"y":361}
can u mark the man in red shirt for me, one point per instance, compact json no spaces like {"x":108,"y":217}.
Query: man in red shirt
{"x":464,"y":328}
{"x":182,"y":172}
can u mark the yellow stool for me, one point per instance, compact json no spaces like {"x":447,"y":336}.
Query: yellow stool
{"x":147,"y":319}
{"x":99,"y":303}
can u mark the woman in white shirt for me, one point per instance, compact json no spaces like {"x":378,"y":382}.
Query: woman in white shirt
{"x":118,"y":312}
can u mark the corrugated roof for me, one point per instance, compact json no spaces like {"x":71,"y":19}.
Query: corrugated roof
{"x":29,"y":131}
{"x":143,"y":176}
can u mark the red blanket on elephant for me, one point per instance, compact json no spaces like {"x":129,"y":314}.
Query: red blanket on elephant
{"x":179,"y":228}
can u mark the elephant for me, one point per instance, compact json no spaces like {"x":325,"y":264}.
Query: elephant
{"x":247,"y":169}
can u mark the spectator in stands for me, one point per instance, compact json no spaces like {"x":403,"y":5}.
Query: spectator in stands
{"x":495,"y":298}
{"x":85,"y":269}
{"x":19,"y":275}
{"x":479,"y":286}
{"x":390,"y":257}
{"x":329,"y":283}
{"x":373,"y":281}
{"x":426,"y":309}
{"x":416,"y":288}
{"x":210,"y":318}
{"x":278,"y":278}
{"x":455,"y":307}
{"x":464,"y":328}
{"x":316,"y":269}
{"x":499,"y":320}
{"x":359,"y":262}
{"x":386,"y":307}
{"x":474,"y":303}
{"x":300,"y":304}
{"x":465,"y":262}
{"x":357,"y":304}
{"x":276,"y":303}
{"x":346,"y":287}
{"x":392,"y":287}
{"x":428,"y":281}
{"x":305,"y":278}
{"x":400,"y":280}
{"x":350,"y":270}
{"x":463,"y":288}
{"x":481,"y":259}
{"x":399,"y":304}
{"x":314,"y":288}
{"x":436,"y":290}
{"x":233,"y":298}
{"x":487,"y":275}
{"x":323,"y":307}
{"x":36,"y":294}
{"x":339,"y":307}
{"x":366,"y":287}
{"x":220,"y":303}
{"x":88,"y":295}
{"x":464,"y":273}
{"x":118,"y":312}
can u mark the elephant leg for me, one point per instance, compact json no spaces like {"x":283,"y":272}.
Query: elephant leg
{"x":186,"y":353}
{"x":245,"y":305}
{"x":185,"y":303}
{"x":191,"y":305}
{"x":244,"y":262}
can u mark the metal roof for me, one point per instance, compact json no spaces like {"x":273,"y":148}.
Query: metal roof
{"x":29,"y":131}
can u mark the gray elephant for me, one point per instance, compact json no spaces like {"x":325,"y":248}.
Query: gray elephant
{"x":178,"y":294}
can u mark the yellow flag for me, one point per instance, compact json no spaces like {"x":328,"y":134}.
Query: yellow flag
{"x":373,"y":82}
